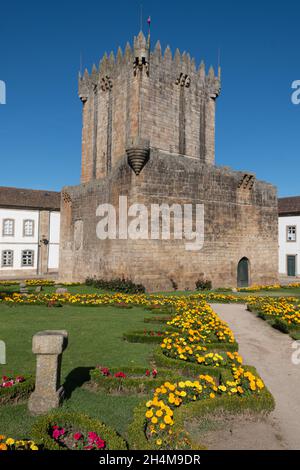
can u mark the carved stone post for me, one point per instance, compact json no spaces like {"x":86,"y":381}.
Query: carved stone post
{"x":48,"y":394}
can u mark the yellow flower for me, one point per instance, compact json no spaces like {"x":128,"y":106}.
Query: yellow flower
{"x":212,"y":395}
{"x":34,"y":447}
{"x":9,"y":441}
{"x":3,"y":446}
{"x":168,"y":419}
{"x":149,"y":414}
{"x":154,"y":420}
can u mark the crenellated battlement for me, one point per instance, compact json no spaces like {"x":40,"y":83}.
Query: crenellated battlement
{"x":181,"y":67}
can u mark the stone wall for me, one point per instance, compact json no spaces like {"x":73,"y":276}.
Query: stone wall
{"x":240,"y":221}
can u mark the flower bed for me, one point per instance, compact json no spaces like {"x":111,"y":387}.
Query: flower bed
{"x":179,"y":438}
{"x":198,"y":326}
{"x":281,"y":313}
{"x":8,"y":443}
{"x":73,"y":431}
{"x":129,"y":379}
{"x":14,"y":389}
{"x":273,"y":287}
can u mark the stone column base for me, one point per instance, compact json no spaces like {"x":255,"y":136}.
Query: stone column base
{"x":39,"y":403}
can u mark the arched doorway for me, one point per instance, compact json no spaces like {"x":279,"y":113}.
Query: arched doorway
{"x":243,"y":273}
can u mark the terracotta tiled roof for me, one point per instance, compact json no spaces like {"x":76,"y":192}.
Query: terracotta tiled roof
{"x":29,"y":198}
{"x":289,"y":205}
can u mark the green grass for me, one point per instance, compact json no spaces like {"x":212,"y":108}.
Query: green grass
{"x":95,"y":337}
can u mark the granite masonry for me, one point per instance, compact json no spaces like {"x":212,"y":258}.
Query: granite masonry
{"x":149,"y":134}
{"x":48,"y":347}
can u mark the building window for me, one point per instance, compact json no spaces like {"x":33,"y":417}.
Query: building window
{"x":28,"y":228}
{"x":7,"y":258}
{"x":291,"y":233}
{"x":27,"y":258}
{"x":8,"y":228}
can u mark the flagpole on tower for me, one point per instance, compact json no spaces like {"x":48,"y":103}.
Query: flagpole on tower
{"x":149,"y":24}
{"x":141,"y":17}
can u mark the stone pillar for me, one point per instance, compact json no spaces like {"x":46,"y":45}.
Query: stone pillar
{"x":48,"y":394}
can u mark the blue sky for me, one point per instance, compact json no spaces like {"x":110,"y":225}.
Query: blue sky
{"x":40,"y":47}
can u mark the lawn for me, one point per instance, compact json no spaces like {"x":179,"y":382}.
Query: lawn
{"x":95,"y":337}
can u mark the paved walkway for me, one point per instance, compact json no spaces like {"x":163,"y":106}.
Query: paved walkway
{"x":270,"y":352}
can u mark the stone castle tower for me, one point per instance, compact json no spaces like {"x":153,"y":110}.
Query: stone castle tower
{"x":149,"y":134}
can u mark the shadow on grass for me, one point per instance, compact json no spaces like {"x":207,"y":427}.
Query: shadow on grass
{"x":75,"y":379}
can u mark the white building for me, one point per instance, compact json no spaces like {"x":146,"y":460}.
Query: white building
{"x":289,"y":237}
{"x":29,"y":232}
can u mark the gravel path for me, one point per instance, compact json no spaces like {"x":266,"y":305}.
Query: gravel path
{"x":270,"y":351}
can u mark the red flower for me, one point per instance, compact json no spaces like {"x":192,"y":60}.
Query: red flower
{"x":105,"y":371}
{"x":4,"y":378}
{"x":100,"y":444}
{"x":154,"y":373}
{"x":8,"y":384}
{"x":120,"y":375}
{"x":77,"y":436}
{"x":147,"y":372}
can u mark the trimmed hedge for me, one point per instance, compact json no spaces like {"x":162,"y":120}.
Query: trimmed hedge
{"x":82,"y":423}
{"x":160,"y":310}
{"x":260,"y":404}
{"x":141,"y":337}
{"x":119,"y":285}
{"x":17,"y":392}
{"x":158,"y":319}
{"x":131,"y":384}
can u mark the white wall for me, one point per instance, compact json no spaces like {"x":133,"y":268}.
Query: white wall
{"x":18,"y":242}
{"x":53,"y":253}
{"x":288,"y":247}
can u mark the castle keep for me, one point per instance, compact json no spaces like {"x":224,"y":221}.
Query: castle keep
{"x":149,"y":134}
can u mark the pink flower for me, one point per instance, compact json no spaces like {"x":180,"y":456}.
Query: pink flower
{"x":20,"y":379}
{"x":56,"y":434}
{"x":92,"y":436}
{"x":154,"y":373}
{"x":77,"y":436}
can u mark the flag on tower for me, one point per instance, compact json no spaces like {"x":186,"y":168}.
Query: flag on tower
{"x":149,"y":21}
